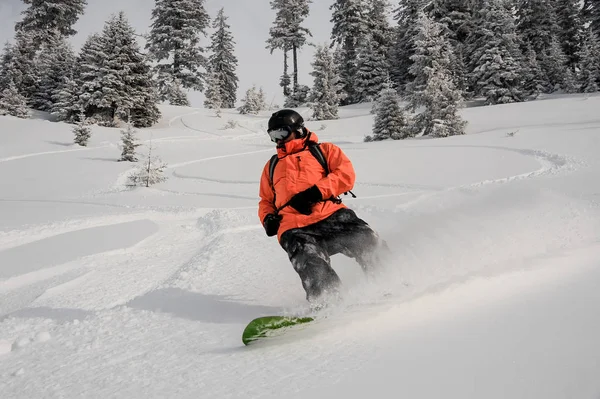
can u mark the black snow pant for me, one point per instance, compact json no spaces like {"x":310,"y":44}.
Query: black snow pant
{"x":309,"y":249}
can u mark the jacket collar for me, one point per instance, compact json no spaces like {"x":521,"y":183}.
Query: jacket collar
{"x":297,"y":145}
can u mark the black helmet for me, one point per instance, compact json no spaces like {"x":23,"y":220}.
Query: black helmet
{"x":286,"y":119}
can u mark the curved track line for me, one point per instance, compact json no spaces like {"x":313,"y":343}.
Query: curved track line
{"x":178,"y":165}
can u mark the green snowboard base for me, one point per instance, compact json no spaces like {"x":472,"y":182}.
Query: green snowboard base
{"x":264,"y":327}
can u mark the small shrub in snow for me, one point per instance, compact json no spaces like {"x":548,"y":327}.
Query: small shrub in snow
{"x":231,"y":124}
{"x":129,"y":144}
{"x":82,"y":133}
{"x":150,"y":172}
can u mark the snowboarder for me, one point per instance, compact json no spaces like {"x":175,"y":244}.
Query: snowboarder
{"x":299,"y":190}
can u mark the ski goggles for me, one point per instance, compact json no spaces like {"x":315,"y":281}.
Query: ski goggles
{"x":280,"y":134}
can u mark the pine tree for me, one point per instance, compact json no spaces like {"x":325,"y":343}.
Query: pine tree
{"x":570,"y":33}
{"x":7,"y":67}
{"x":214,"y":99}
{"x":55,"y":61}
{"x":50,"y":19}
{"x":326,"y":91}
{"x":589,"y":56}
{"x":390,"y":121}
{"x":129,"y":144}
{"x":13,"y":103}
{"x":381,"y":33}
{"x":174,"y":42}
{"x":350,"y":31}
{"x":371,"y":73}
{"x":554,"y":64}
{"x":288,"y":32}
{"x":122,"y":87}
{"x":175,"y":93}
{"x":24,"y":68}
{"x":533,"y":76}
{"x":570,"y":84}
{"x":149,"y":172}
{"x":87,"y":78}
{"x":222,"y":62}
{"x":406,"y":16}
{"x":537,"y":23}
{"x":65,"y":105}
{"x":433,"y":86}
{"x":591,"y":14}
{"x":252,"y":102}
{"x":82,"y":133}
{"x":495,"y":73}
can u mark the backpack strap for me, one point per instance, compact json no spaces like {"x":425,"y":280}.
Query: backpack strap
{"x":315,"y":150}
{"x":272,"y":164}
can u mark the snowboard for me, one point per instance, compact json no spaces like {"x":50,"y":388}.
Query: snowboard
{"x":269,"y":326}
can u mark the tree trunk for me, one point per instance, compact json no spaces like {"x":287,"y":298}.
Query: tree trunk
{"x":295,"y":53}
{"x":286,"y":87}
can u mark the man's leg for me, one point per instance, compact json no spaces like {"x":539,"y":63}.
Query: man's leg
{"x":311,"y":261}
{"x":353,"y":237}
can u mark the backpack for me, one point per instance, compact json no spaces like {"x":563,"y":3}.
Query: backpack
{"x":316,"y":152}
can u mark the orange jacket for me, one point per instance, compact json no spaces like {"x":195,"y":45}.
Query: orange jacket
{"x":298,"y":170}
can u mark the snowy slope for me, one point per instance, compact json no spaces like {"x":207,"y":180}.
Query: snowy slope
{"x":107,"y":291}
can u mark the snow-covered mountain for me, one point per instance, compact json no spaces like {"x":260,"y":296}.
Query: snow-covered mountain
{"x":492,"y":292}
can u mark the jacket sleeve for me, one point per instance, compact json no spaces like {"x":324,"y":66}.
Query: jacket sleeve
{"x":341,"y":172}
{"x":267,"y":196}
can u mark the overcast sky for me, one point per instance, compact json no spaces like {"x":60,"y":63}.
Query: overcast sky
{"x":250,"y":21}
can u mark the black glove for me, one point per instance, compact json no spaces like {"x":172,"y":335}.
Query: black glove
{"x":304,"y":200}
{"x":271,"y":224}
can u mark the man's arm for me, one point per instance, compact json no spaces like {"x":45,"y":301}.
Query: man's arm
{"x":341,"y":172}
{"x":267,"y":196}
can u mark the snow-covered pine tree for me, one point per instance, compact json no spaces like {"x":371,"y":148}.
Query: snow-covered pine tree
{"x":288,"y":32}
{"x":47,"y":19}
{"x":570,"y":84}
{"x":458,"y":16}
{"x":390,"y":122}
{"x":495,"y":74}
{"x":371,"y":72}
{"x":121,"y":86}
{"x":213,"y":96}
{"x":350,"y":30}
{"x":433,"y":86}
{"x":89,"y":62}
{"x":148,"y":172}
{"x":537,"y":24}
{"x":223,"y":62}
{"x":82,"y":133}
{"x":589,"y":59}
{"x":403,"y":48}
{"x":13,"y":103}
{"x":591,"y":15}
{"x":174,"y":42}
{"x":55,"y":61}
{"x":129,"y":143}
{"x":554,"y":64}
{"x":533,"y":76}
{"x":65,"y":101}
{"x":7,"y":69}
{"x":23,"y":66}
{"x":175,"y":93}
{"x":571,"y":29}
{"x":326,"y":91}
{"x":380,"y":30}
{"x":251,"y":102}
